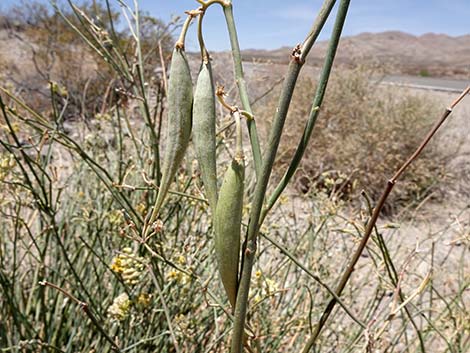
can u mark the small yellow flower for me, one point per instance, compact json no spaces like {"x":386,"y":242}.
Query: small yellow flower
{"x":181,"y":260}
{"x":173,"y":275}
{"x":115,"y":217}
{"x":57,"y":89}
{"x":14,"y":126}
{"x":271,"y":286}
{"x":178,"y":277}
{"x":144,"y":300}
{"x":116,"y":265}
{"x":264,"y":229}
{"x":7,"y":163}
{"x":283,"y":199}
{"x":103,"y":117}
{"x":141,"y":208}
{"x":257,"y":298}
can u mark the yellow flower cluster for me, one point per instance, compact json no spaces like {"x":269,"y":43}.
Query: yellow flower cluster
{"x":58,"y":89}
{"x":103,"y":117}
{"x":141,"y":208}
{"x":129,"y":266}
{"x":120,"y":308}
{"x":144,"y":300}
{"x":115,"y":217}
{"x":178,"y":277}
{"x":15,"y":126}
{"x":7,"y":163}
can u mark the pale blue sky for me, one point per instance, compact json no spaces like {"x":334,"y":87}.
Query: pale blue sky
{"x":271,"y":24}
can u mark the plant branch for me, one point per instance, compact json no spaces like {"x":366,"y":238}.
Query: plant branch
{"x":373,"y":220}
{"x":242,"y":90}
{"x":314,"y":277}
{"x":191,"y":14}
{"x":86,"y":310}
{"x":262,"y":183}
{"x":317,"y":102}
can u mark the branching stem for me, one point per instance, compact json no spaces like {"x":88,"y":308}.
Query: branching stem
{"x":373,"y":220}
{"x":285,"y":98}
{"x":86,"y":310}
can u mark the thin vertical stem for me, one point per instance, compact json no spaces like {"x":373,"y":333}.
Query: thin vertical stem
{"x":315,"y":110}
{"x":263,"y":178}
{"x":242,"y":90}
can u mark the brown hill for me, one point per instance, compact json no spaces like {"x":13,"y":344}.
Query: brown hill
{"x":430,"y":54}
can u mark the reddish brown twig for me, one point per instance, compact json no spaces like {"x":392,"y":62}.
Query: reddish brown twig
{"x":373,"y":220}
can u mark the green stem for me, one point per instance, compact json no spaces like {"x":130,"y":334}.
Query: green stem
{"x":263,"y":178}
{"x":143,"y":105}
{"x":392,"y":273}
{"x":317,"y":102}
{"x":242,"y":90}
{"x":41,"y":124}
{"x":350,"y":268}
{"x":257,"y":203}
{"x":239,"y":75}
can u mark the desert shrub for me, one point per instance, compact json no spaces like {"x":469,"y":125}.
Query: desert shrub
{"x":364,"y":132}
{"x":51,"y":50}
{"x":424,"y":73}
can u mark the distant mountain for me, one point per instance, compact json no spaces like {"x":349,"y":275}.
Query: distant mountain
{"x":429,"y":54}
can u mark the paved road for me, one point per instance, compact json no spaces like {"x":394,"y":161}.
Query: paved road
{"x":276,"y":71}
{"x":435,"y":84}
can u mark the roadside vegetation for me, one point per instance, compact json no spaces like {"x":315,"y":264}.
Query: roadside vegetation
{"x":123,"y":232}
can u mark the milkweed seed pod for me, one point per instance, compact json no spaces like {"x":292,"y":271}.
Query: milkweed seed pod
{"x":228,"y":219}
{"x":180,"y":102}
{"x":204,"y":116}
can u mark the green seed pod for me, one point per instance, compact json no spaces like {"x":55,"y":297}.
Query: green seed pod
{"x":180,"y":101}
{"x":228,"y":219}
{"x":204,"y":131}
